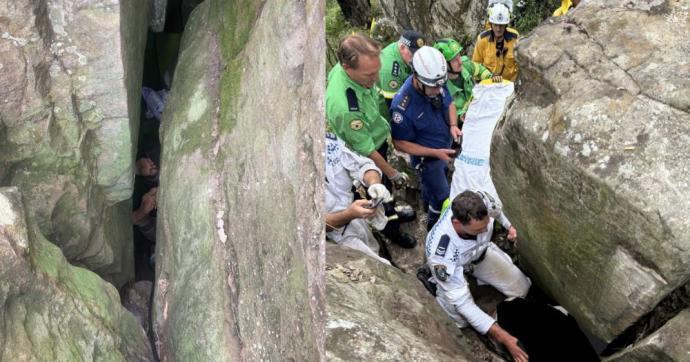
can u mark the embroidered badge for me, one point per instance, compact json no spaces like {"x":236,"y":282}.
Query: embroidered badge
{"x":403,"y":104}
{"x":396,"y":69}
{"x":356,"y":124}
{"x":442,"y":245}
{"x":440,"y":272}
{"x":397,"y":117}
{"x":393,"y":84}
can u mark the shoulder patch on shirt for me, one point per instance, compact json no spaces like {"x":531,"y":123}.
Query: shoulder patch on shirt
{"x":330,"y":135}
{"x":509,"y":35}
{"x":403,"y":104}
{"x":442,"y":246}
{"x":393,"y":84}
{"x":485,"y":33}
{"x":440,"y":272}
{"x":397,"y":117}
{"x":396,"y":69}
{"x":356,"y":124}
{"x":352,"y":102}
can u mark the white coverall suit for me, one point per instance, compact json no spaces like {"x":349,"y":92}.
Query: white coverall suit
{"x":446,"y":249}
{"x":343,"y":167}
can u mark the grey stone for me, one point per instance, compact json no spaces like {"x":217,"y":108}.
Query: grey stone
{"x":158,"y":12}
{"x":590,"y":160}
{"x":668,"y":344}
{"x":69,"y":112}
{"x":240,"y":232}
{"x":137,"y":300}
{"x":378,"y":313}
{"x":52,"y":311}
{"x":460,"y":19}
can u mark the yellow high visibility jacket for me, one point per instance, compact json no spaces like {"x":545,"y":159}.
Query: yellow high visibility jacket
{"x":498,"y":62}
{"x":565,"y":6}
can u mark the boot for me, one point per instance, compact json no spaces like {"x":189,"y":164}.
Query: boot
{"x":404,"y":240}
{"x":405,"y":213}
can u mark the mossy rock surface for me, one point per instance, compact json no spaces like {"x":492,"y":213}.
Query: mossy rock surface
{"x":240,"y":232}
{"x":590,"y":160}
{"x":70,"y":87}
{"x":52,"y":311}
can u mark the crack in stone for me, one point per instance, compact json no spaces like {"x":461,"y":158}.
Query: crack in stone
{"x":584,"y":31}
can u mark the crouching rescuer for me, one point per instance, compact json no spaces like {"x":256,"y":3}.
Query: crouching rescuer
{"x":461,"y":243}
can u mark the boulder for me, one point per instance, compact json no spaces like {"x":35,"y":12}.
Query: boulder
{"x":378,"y":313}
{"x":52,"y":311}
{"x":460,"y":19}
{"x":69,"y":113}
{"x":590,"y":159}
{"x":239,"y":254}
{"x":157,"y":17}
{"x":670,"y":343}
{"x":137,"y":299}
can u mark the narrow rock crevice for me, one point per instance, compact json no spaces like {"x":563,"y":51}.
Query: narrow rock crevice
{"x":674,"y":303}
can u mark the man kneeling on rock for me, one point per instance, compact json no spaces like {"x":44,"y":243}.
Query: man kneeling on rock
{"x":461,"y":242}
{"x":346,"y":221}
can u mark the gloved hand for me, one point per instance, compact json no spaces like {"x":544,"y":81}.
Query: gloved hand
{"x":378,"y":191}
{"x":400,"y":179}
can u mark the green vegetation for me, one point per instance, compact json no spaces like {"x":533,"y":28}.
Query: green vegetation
{"x":530,"y":13}
{"x":337,"y":27}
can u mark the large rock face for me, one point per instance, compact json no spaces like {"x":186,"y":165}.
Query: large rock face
{"x":52,"y":311}
{"x":591,"y":160}
{"x":670,"y":343}
{"x":461,"y":19}
{"x":240,"y":231}
{"x":69,"y":110}
{"x":378,"y":313}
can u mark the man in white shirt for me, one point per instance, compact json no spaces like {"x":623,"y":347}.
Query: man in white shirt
{"x":347,"y":220}
{"x":461,"y":241}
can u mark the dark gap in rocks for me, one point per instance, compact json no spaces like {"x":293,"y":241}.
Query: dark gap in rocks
{"x":669,"y":307}
{"x":486,"y":296}
{"x":160,"y":59}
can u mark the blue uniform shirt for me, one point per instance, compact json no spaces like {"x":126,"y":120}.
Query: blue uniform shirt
{"x":415,"y":119}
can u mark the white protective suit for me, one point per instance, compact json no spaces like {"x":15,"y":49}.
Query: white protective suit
{"x":472,"y":166}
{"x":343,"y":167}
{"x":445,"y":248}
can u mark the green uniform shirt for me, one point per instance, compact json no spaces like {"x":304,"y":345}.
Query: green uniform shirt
{"x":353,"y":115}
{"x":394,"y":71}
{"x":461,"y":88}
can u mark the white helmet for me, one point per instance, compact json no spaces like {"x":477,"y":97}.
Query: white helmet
{"x":499,"y":14}
{"x":493,"y":205}
{"x":430,"y":67}
{"x":508,"y":3}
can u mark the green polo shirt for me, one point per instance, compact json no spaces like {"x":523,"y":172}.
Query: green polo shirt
{"x":394,"y":71}
{"x":461,"y":88}
{"x":353,"y":115}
